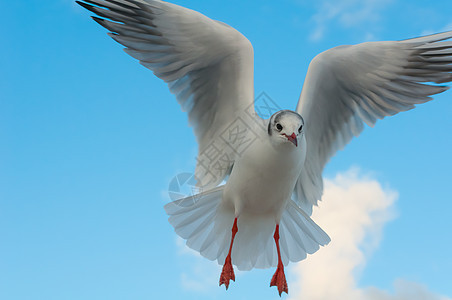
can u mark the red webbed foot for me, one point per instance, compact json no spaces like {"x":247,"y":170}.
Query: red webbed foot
{"x":279,"y":280}
{"x":227,"y":273}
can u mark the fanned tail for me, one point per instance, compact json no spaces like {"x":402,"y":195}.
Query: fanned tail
{"x":299,"y":236}
{"x":193,"y":219}
{"x":206,"y":226}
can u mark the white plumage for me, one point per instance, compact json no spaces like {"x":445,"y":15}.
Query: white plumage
{"x":274,"y":167}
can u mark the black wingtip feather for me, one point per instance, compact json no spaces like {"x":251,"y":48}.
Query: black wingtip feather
{"x":84,"y":5}
{"x":99,"y":21}
{"x":128,"y":5}
{"x":87,"y":6}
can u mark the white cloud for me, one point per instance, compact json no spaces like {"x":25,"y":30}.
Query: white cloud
{"x":200,"y":275}
{"x":201,"y":278}
{"x":353,"y":212}
{"x":447,"y":27}
{"x":348,"y":14}
{"x":404,"y":290}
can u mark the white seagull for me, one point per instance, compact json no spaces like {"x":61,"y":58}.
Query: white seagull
{"x":273,"y":167}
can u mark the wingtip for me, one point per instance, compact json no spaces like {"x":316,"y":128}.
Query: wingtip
{"x":444,"y":88}
{"x":83,"y":4}
{"x":98,"y":20}
{"x":91,"y":8}
{"x":430,"y":38}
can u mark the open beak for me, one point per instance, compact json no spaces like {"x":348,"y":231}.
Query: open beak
{"x":292,"y":138}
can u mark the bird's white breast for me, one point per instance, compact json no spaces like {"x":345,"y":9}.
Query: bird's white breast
{"x":263,"y":178}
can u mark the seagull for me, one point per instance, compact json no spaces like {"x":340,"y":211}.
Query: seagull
{"x":272,"y":169}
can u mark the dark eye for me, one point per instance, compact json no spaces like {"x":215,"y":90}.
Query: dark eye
{"x":278,"y":127}
{"x":301,"y":127}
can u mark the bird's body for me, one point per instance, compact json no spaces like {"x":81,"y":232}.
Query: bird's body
{"x":273,"y":167}
{"x":264,"y":176}
{"x":252,"y":186}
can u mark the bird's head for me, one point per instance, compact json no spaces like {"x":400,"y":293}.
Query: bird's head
{"x":286,"y":126}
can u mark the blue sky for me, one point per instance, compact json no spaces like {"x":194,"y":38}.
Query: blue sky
{"x":89,"y":141}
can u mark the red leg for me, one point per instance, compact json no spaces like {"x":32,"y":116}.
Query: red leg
{"x":228,"y":271}
{"x":279,"y":279}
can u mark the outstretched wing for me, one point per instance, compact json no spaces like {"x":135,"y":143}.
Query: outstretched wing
{"x":350,"y":85}
{"x":207,"y":64}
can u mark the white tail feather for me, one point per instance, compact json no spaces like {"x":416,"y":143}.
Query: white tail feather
{"x":206,"y":225}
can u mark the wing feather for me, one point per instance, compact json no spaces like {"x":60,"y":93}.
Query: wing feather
{"x":348,"y":86}
{"x":207,"y":64}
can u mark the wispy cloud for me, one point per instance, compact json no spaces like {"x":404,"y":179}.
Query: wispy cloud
{"x":447,"y":27}
{"x":353,"y":212}
{"x":200,"y":275}
{"x":403,"y":290}
{"x":346,"y":13}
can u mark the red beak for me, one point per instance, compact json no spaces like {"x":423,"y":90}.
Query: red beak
{"x":293,"y":139}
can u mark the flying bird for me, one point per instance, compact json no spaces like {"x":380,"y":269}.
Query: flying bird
{"x":260,"y":217}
